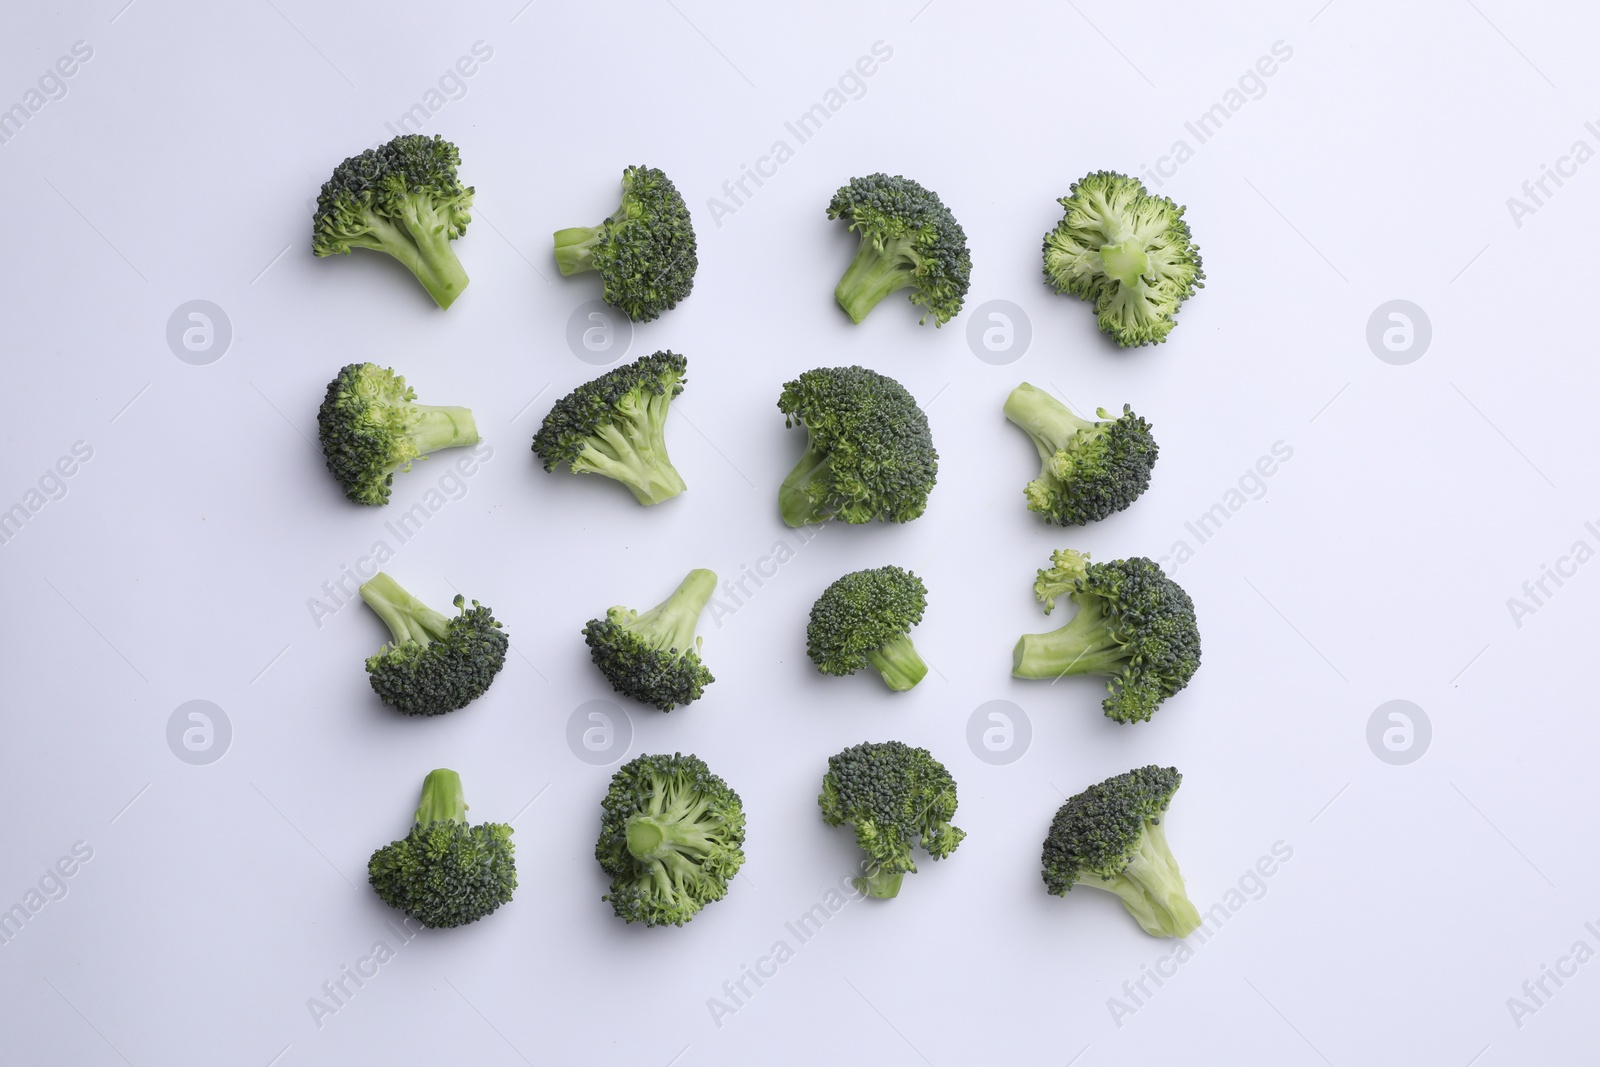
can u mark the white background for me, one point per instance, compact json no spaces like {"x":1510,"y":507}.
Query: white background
{"x":1374,"y":166}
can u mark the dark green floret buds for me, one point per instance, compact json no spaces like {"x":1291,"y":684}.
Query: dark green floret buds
{"x":435,"y":663}
{"x":895,"y":797}
{"x":1088,"y":469}
{"x":655,"y":657}
{"x":671,"y":837}
{"x":865,"y":619}
{"x":403,"y":199}
{"x":909,"y":240}
{"x":1111,"y":837}
{"x":645,"y":252}
{"x":370,"y":428}
{"x":1128,"y":252}
{"x":446,"y":872}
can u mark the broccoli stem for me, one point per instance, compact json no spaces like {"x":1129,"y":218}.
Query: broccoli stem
{"x":442,"y":798}
{"x":1126,"y":262}
{"x":1083,"y":646}
{"x":874,"y":273}
{"x":1046,"y":420}
{"x":575,"y":248}
{"x":634,"y":452}
{"x":658,"y":837}
{"x":794,"y":498}
{"x":670,"y":624}
{"x":899,"y":663}
{"x":422,"y":242}
{"x":442,"y":427}
{"x":1152,"y":889}
{"x":408,"y":619}
{"x":880,"y":884}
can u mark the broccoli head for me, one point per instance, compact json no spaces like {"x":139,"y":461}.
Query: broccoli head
{"x":908,"y":239}
{"x":868,"y":454}
{"x":616,"y":425}
{"x":895,"y":796}
{"x":1090,"y":469}
{"x":655,"y":657}
{"x":446,"y":872}
{"x":1135,"y":627}
{"x":866,"y":618}
{"x":435,"y":663}
{"x":1128,"y":251}
{"x":645,"y":252}
{"x":1110,"y":837}
{"x":402,"y":198}
{"x":671,"y":837}
{"x":370,"y":428}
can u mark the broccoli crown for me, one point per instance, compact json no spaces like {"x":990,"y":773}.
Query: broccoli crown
{"x":615,"y":425}
{"x":446,"y":872}
{"x":869,"y":454}
{"x":1089,"y":469}
{"x":436,"y":663}
{"x":908,"y":239}
{"x":671,"y":837}
{"x":654,"y":657}
{"x":404,"y":199}
{"x":1128,"y":251}
{"x":1110,"y":837}
{"x":645,"y":252}
{"x":895,"y":797}
{"x":370,"y":428}
{"x":865,"y":618}
{"x":1134,"y":626}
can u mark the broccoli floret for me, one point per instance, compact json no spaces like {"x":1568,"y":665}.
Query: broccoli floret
{"x":645,"y":252}
{"x":895,"y":796}
{"x":671,"y":837}
{"x":1135,"y":627}
{"x":655,"y":657}
{"x":1090,"y":469}
{"x":1128,"y":251}
{"x":436,"y":663}
{"x":1110,"y":837}
{"x":402,"y":198}
{"x":446,"y":872}
{"x":370,"y":428}
{"x":908,"y":238}
{"x":616,"y":425}
{"x":868,"y":454}
{"x":866,"y":618}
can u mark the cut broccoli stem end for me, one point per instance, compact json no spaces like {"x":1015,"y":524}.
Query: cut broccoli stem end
{"x":652,"y":837}
{"x":409,"y":619}
{"x":442,"y":798}
{"x":638,"y":461}
{"x":443,"y":427}
{"x":1151,"y":888}
{"x":899,"y":664}
{"x":880,"y":884}
{"x":873,"y":274}
{"x":575,"y":248}
{"x":795,"y":499}
{"x":1045,"y":420}
{"x":1074,"y":649}
{"x":438,"y":269}
{"x":1126,"y":262}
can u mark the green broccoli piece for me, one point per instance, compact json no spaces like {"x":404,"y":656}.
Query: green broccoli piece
{"x":868,"y":454}
{"x":1134,"y":626}
{"x":1090,"y":469}
{"x":894,"y":796}
{"x":1128,"y":251}
{"x":370,"y":428}
{"x":671,"y":837}
{"x":446,"y":872}
{"x":402,"y":198}
{"x":616,"y":425}
{"x":645,"y":252}
{"x":866,"y":618}
{"x":908,"y":238}
{"x":655,"y":657}
{"x":1110,"y":836}
{"x":436,"y":663}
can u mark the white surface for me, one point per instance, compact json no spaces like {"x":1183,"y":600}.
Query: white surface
{"x":179,"y":563}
